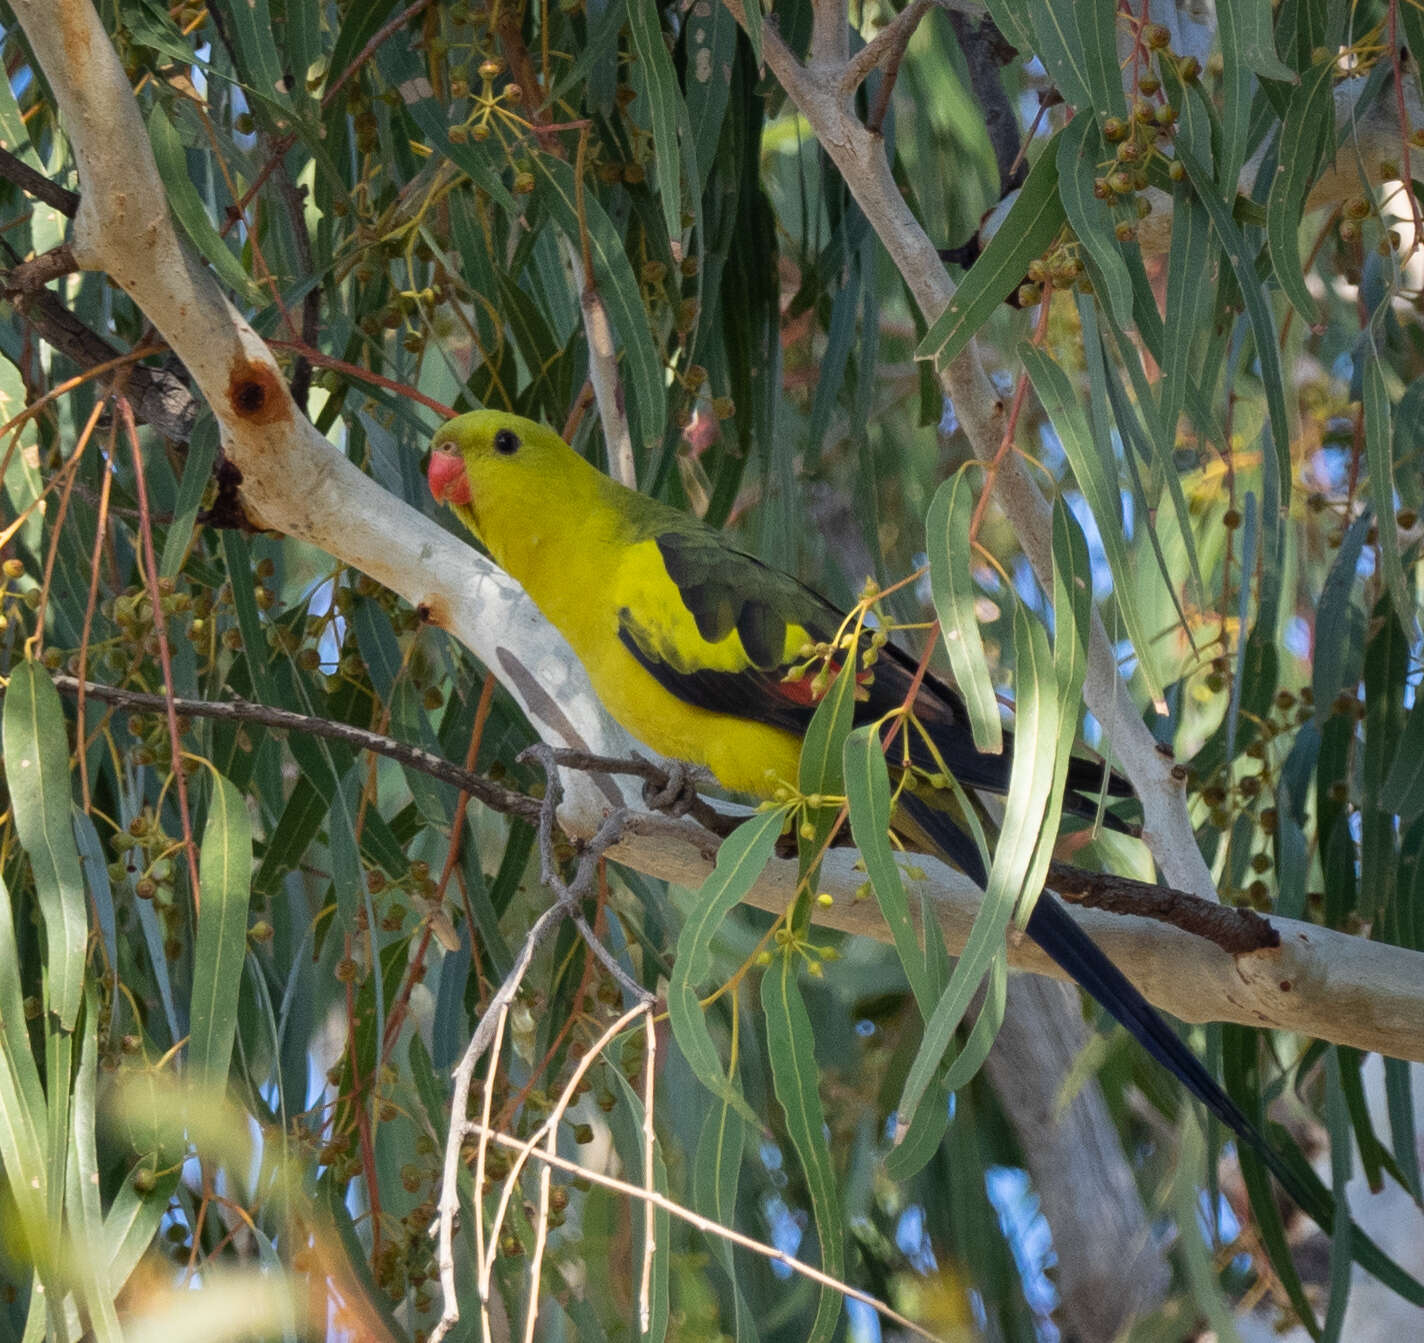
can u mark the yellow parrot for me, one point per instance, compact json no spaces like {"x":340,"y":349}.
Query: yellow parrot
{"x":688,"y":641}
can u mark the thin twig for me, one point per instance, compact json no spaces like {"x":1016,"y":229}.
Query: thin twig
{"x":491,"y":1026}
{"x":37,"y":184}
{"x":70,"y":383}
{"x":101,"y":527}
{"x":1234,"y":930}
{"x":889,"y":42}
{"x":603,"y":372}
{"x":159,"y":396}
{"x":659,"y":781}
{"x":497,"y":798}
{"x":415,"y":971}
{"x":650,"y":1238}
{"x":165,"y":661}
{"x":548,"y":1133}
{"x":568,"y":895}
{"x":708,"y":1227}
{"x":68,"y":473}
{"x":38,"y":271}
{"x":579,"y":886}
{"x":477,"y":1194}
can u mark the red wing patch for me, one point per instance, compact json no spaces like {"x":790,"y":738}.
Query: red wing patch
{"x":802,"y":692}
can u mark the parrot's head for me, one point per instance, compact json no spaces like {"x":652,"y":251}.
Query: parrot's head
{"x":495,"y":469}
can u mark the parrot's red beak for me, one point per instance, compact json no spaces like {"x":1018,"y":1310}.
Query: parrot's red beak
{"x":448,"y":481}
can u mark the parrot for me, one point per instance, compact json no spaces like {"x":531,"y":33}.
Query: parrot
{"x":693,"y":645}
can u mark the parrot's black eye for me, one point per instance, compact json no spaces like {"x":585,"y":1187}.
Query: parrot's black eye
{"x":506,"y":442}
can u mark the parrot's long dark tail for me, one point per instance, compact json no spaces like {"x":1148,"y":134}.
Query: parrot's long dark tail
{"x":1060,"y":936}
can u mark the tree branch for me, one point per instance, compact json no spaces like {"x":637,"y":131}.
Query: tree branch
{"x":493,"y":795}
{"x":1339,"y":988}
{"x":1233,"y":930}
{"x":36,"y":184}
{"x":889,"y":43}
{"x":159,"y":397}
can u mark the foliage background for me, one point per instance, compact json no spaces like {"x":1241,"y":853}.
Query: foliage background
{"x":381,"y":203}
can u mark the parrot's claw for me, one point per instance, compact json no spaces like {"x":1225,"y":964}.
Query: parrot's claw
{"x":676,"y":794}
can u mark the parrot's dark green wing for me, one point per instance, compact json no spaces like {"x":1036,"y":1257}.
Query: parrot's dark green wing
{"x":752,"y":622}
{"x":741,"y":626}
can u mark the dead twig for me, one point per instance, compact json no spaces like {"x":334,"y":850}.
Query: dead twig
{"x":706,"y":1225}
{"x":568,"y":895}
{"x":1238,"y":931}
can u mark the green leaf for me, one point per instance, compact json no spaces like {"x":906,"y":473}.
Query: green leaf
{"x":1306,"y":134}
{"x":952,"y":589}
{"x":1404,"y":785}
{"x":1263,"y":328}
{"x":1097,"y":26}
{"x":150,"y":25}
{"x":916,"y":1146}
{"x":1240,"y":1073}
{"x":752,"y":17}
{"x":188,"y":207}
{"x":1096,"y":474}
{"x":224,"y":878}
{"x":740,"y":861}
{"x":1386,"y":671}
{"x":1072,"y":614}
{"x":86,"y":1223}
{"x":1200,"y":1270}
{"x":716,"y":1172}
{"x":37,"y":772}
{"x":642,"y":367}
{"x":1360,"y":1129}
{"x":197,"y":472}
{"x":256,"y":50}
{"x":1080,"y":149}
{"x":791,"y":1051}
{"x":1337,"y":1124}
{"x":1189,"y":261}
{"x":22,"y":1101}
{"x":133,"y":1221}
{"x":1411,"y":19}
{"x":666,"y":110}
{"x":1031,"y":811}
{"x":985,"y":1030}
{"x":1338,"y":652}
{"x":819,"y":768}
{"x":1032,"y":222}
{"x":1382,"y":490}
{"x":1013,"y":19}
{"x":711,"y":49}
{"x":1254,"y":33}
{"x":867,"y":783}
{"x":1146,"y":438}
{"x":1060,"y":47}
{"x":1399,"y":1098}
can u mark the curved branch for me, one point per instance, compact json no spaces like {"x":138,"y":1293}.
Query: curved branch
{"x":1321,"y":983}
{"x":1348,"y":990}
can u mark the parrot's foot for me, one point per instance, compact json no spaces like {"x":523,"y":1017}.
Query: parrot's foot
{"x":676,"y":794}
